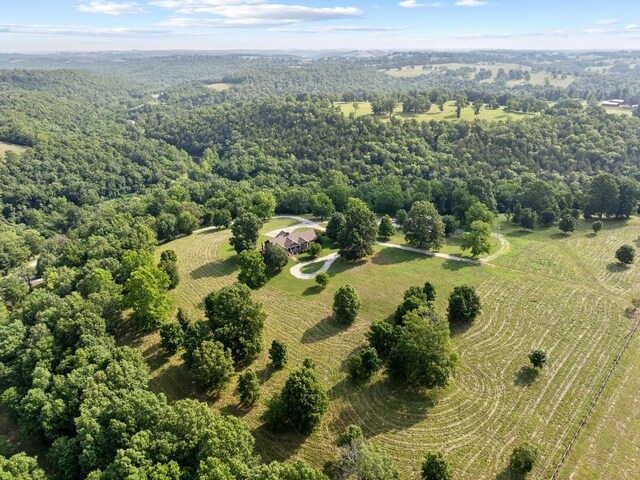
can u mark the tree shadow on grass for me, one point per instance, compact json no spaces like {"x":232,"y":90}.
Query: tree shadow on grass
{"x":559,"y":235}
{"x":403,"y":407}
{"x":459,"y":328}
{"x":155,"y":356}
{"x":215,"y":269}
{"x":175,"y":383}
{"x":455,"y":265}
{"x":616,"y":267}
{"x":507,"y":474}
{"x":393,"y":256}
{"x":518,"y":233}
{"x":341,"y":265}
{"x":288,"y":443}
{"x":312,"y":290}
{"x":325,"y":328}
{"x":526,"y":376}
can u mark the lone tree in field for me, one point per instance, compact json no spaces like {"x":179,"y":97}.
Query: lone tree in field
{"x":359,"y":233}
{"x":245,"y":232}
{"x":252,"y":269}
{"x":278,"y":354}
{"x":424,"y":227}
{"x":477,"y":106}
{"x":386,"y":228}
{"x":464,"y":305}
{"x":248,"y":388}
{"x":301,"y":404}
{"x":523,"y":458}
{"x":211,"y":366}
{"x":435,"y":467}
{"x":236,"y":321}
{"x":322,"y":279}
{"x":567,"y":224}
{"x":477,"y":239}
{"x":423,"y":355}
{"x":346,"y":305}
{"x":596,"y":226}
{"x":538,"y":358}
{"x":275,"y":257}
{"x":626,"y":254}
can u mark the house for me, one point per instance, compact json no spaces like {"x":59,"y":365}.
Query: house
{"x":293,"y":242}
{"x":616,"y":102}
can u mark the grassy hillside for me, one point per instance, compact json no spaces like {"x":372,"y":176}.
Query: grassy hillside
{"x":560,"y":293}
{"x":10,"y":147}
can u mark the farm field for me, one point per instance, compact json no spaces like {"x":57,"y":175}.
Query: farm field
{"x":449,"y":113}
{"x":548,"y":290}
{"x":537,"y":78}
{"x":10,"y":147}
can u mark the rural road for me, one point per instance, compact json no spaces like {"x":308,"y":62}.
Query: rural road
{"x":329,"y":259}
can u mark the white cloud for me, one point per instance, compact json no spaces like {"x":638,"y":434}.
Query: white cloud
{"x":111,"y":8}
{"x":184,"y":5}
{"x":608,"y":21}
{"x":416,"y":4}
{"x":55,"y":30}
{"x":632,"y":27}
{"x":470,"y":3}
{"x":261,"y":15}
{"x":338,"y":28}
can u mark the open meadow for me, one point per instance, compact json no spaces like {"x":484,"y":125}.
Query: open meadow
{"x":561,"y":293}
{"x":449,"y":112}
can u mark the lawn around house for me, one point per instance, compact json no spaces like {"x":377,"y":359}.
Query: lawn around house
{"x":561,"y":293}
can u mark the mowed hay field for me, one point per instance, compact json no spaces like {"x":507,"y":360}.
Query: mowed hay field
{"x":562,"y":294}
{"x":449,"y":112}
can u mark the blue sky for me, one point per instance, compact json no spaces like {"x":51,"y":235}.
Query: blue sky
{"x":54,"y":25}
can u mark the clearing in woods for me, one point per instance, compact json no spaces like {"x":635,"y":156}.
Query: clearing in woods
{"x":449,"y":112}
{"x":560,"y":293}
{"x":219,"y":86}
{"x":10,"y":147}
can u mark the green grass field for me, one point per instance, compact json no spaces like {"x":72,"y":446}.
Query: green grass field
{"x":449,"y":113}
{"x":537,"y":78}
{"x":561,"y":293}
{"x":10,"y":147}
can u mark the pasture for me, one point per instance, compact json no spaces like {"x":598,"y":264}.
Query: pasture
{"x":449,"y":113}
{"x":560,"y":293}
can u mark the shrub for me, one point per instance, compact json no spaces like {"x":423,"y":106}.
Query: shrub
{"x":464,"y":304}
{"x":171,"y":336}
{"x":626,"y":254}
{"x":435,"y":467}
{"x":314,"y":249}
{"x":322,"y":279}
{"x":351,"y":434}
{"x":523,"y":459}
{"x":346,"y":305}
{"x":364,"y":364}
{"x":538,"y":358}
{"x":596,"y":226}
{"x":278,"y":354}
{"x":248,"y":388}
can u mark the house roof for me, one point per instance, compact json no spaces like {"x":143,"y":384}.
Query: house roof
{"x":288,"y":240}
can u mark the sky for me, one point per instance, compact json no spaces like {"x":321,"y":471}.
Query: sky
{"x":92,"y":25}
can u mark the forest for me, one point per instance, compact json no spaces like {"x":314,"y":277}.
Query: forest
{"x":121,"y":156}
